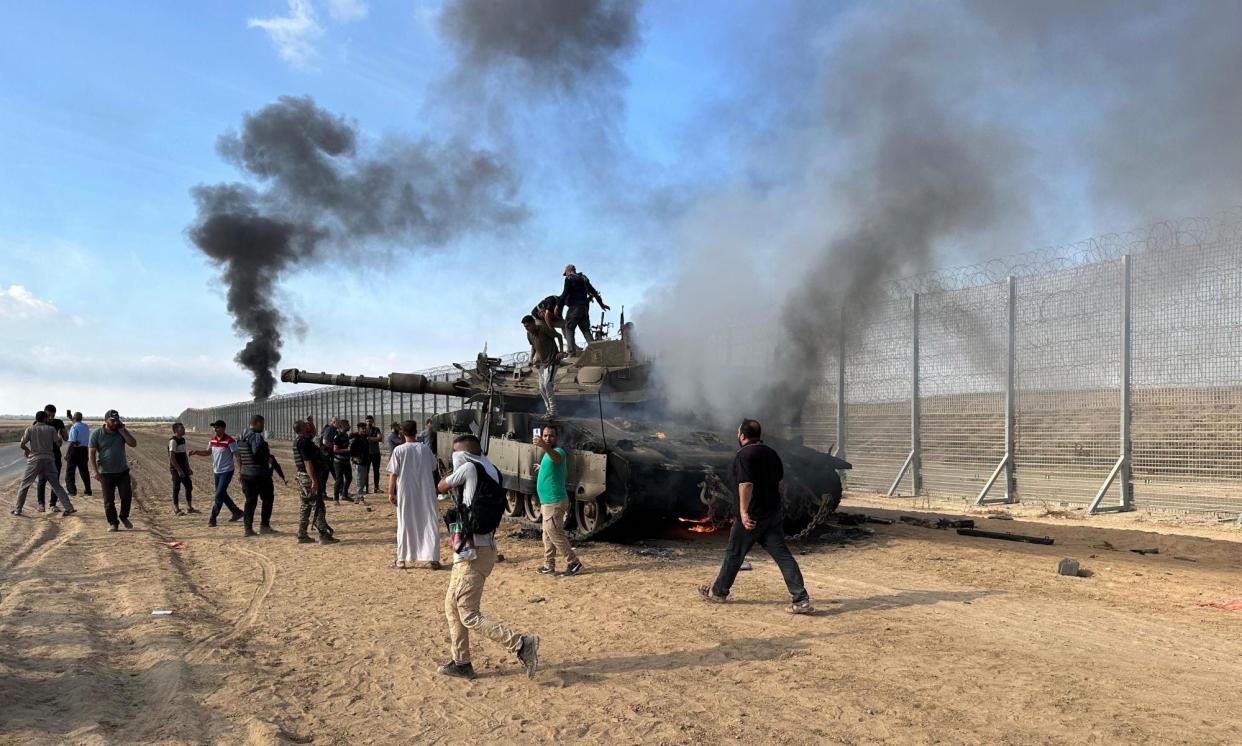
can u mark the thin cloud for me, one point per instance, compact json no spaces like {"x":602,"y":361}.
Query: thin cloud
{"x":295,"y":34}
{"x":19,"y":304}
{"x":346,"y":11}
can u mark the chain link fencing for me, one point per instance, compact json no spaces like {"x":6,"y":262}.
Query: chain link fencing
{"x":1005,"y":379}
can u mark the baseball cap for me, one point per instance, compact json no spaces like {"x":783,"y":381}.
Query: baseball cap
{"x":569,"y":268}
{"x":112,"y":414}
{"x":219,"y":423}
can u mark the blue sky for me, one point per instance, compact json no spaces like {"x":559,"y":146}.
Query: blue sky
{"x":711,"y":134}
{"x":112,"y":112}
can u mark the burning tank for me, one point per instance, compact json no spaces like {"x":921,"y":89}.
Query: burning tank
{"x":628,"y":462}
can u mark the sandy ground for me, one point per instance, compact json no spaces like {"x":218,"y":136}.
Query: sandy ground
{"x":922,"y":637}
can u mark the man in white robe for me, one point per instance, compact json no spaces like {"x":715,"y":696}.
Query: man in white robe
{"x":412,"y":488}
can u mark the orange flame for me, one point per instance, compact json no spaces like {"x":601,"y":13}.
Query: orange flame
{"x":702,"y":525}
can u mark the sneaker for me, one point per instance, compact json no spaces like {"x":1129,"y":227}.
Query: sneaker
{"x":706,"y":592}
{"x":528,"y":654}
{"x":56,"y":509}
{"x":460,"y":670}
{"x":338,"y":501}
{"x":329,"y":539}
{"x":15,"y":511}
{"x":211,"y":524}
{"x":125,"y":522}
{"x":574,"y":569}
{"x":305,"y":540}
{"x":347,"y":499}
{"x":180,"y":511}
{"x":42,"y":509}
{"x":250,"y":532}
{"x":801,"y":607}
{"x":545,"y":570}
{"x":113,"y":528}
{"x":68,"y":512}
{"x":267,"y":530}
{"x":192,"y":509}
{"x":88,"y":493}
{"x":237,"y":517}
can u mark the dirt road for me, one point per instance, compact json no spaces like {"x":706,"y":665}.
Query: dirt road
{"x":922,"y":637}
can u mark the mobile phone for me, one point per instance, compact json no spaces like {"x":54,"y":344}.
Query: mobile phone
{"x":538,"y":432}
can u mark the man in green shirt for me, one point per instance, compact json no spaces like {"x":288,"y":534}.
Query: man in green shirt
{"x":554,"y":503}
{"x":111,"y":468}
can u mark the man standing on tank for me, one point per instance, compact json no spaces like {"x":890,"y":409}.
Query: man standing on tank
{"x":554,"y":504}
{"x":544,"y":356}
{"x":576,"y":300}
{"x":758,"y":471}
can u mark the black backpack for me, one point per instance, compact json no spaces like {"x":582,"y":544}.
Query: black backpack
{"x":483,"y":514}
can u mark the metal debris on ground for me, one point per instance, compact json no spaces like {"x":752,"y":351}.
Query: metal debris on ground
{"x":1046,"y":540}
{"x":1146,"y":551}
{"x":537,"y":599}
{"x":940,"y":523}
{"x":1068,"y":567}
{"x":1000,"y":517}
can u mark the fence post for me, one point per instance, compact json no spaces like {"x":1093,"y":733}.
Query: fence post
{"x":916,"y":445}
{"x":841,"y":421}
{"x":1122,"y":468}
{"x":1011,"y":411}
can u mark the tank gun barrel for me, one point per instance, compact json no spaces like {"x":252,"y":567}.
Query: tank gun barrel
{"x":403,"y":383}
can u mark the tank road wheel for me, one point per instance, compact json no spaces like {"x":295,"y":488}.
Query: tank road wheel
{"x":515,"y":504}
{"x":533,"y":512}
{"x":590,"y":514}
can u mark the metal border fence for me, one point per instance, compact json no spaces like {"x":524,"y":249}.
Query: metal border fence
{"x":1106,"y":373}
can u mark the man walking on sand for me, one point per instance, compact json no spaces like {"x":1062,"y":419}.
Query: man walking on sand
{"x":221,"y":450}
{"x":79,"y":444}
{"x":758,"y":471}
{"x":412,"y":489}
{"x":179,"y":470}
{"x":38,"y":443}
{"x":63,"y":435}
{"x":110,"y":467}
{"x":472,"y":563}
{"x":255,"y":462}
{"x":554,"y":503}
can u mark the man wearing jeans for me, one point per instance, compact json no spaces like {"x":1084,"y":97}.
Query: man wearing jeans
{"x":222,"y":451}
{"x":554,"y":504}
{"x":79,"y":444}
{"x":110,"y":467}
{"x":179,"y":470}
{"x":758,"y":471}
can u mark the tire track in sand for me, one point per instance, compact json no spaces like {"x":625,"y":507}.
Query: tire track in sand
{"x":203,"y":649}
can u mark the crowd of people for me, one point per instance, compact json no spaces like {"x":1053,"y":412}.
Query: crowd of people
{"x":352,"y":457}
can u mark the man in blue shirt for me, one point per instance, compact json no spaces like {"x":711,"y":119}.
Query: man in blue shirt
{"x":79,"y":446}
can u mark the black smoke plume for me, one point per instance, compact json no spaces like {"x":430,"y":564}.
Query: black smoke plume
{"x":320,"y":190}
{"x":552,"y":43}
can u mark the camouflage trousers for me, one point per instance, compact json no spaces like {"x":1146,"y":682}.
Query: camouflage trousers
{"x":313,"y":508}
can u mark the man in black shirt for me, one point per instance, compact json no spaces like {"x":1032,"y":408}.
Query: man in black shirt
{"x":340,"y":462}
{"x":256,"y":476}
{"x":41,"y":482}
{"x":576,"y":299}
{"x":179,"y":470}
{"x":308,"y":457}
{"x":758,"y":471}
{"x":360,"y":458}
